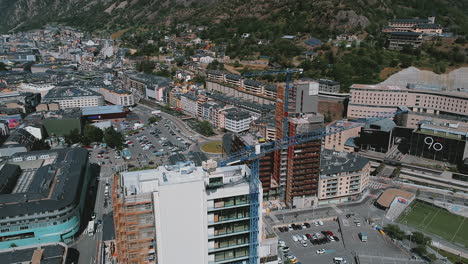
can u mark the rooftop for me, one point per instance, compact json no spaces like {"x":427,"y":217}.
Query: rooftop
{"x":332,"y":163}
{"x":147,"y":181}
{"x":46,"y":253}
{"x":101,"y":110}
{"x":49,"y":180}
{"x":386,"y":198}
{"x":61,"y":93}
{"x":236,"y":114}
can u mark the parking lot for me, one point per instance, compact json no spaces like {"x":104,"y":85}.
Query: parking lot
{"x":347,"y":243}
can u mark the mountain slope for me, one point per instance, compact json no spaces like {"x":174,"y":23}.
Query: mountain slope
{"x":323,"y":17}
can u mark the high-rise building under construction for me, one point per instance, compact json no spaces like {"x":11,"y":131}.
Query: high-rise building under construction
{"x":297,"y":167}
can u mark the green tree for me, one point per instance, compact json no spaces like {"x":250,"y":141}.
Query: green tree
{"x":154,"y":119}
{"x":394,"y":231}
{"x":205,"y":128}
{"x":113,"y":138}
{"x":421,"y":250}
{"x":420,"y":239}
{"x":92,"y":134}
{"x":3,"y":66}
{"x":73,"y":137}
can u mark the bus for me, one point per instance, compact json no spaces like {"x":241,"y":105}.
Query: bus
{"x":91,"y":228}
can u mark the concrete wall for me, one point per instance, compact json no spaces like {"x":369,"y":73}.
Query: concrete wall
{"x":181,"y":223}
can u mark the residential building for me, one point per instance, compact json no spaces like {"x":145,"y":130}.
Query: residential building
{"x":328,"y":86}
{"x":149,"y":215}
{"x":297,"y":167}
{"x":146,"y":86}
{"x":52,"y":253}
{"x":234,"y":142}
{"x":189,"y":103}
{"x":44,"y":202}
{"x":236,"y":120}
{"x":337,"y":141}
{"x":343,"y":176}
{"x":25,"y":100}
{"x":117,"y":96}
{"x":408,"y":24}
{"x":423,"y":101}
{"x":70,"y":97}
{"x":20,"y":140}
{"x":398,"y":40}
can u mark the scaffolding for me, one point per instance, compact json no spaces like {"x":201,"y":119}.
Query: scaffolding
{"x":134,"y":226}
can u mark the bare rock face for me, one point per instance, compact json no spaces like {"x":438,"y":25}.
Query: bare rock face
{"x":349,"y":19}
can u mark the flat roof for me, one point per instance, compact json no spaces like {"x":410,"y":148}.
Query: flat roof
{"x":44,"y":253}
{"x":386,"y":198}
{"x":66,"y":92}
{"x":49,"y":180}
{"x":101,"y":110}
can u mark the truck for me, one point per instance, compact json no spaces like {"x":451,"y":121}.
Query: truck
{"x":156,"y":112}
{"x":91,"y":228}
{"x":363,"y":236}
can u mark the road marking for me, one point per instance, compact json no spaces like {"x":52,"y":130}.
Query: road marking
{"x":338,"y":210}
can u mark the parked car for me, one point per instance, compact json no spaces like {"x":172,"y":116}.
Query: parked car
{"x":320,"y":251}
{"x":304,"y":244}
{"x":307,"y":225}
{"x":295,"y":238}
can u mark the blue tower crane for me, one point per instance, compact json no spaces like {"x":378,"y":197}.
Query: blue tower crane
{"x":253,"y":153}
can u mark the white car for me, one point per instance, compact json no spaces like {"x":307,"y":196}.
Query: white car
{"x":304,"y":237}
{"x":320,"y":251}
{"x":320,"y":223}
{"x":330,"y":238}
{"x":315,"y":223}
{"x":304,"y":244}
{"x":295,"y":238}
{"x":281,"y":243}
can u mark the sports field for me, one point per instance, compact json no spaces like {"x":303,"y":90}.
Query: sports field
{"x":440,"y":222}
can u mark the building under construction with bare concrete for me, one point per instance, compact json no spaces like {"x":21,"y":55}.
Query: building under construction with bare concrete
{"x":298,"y":167}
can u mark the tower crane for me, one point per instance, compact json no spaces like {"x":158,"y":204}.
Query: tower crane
{"x":288,"y":72}
{"x":253,"y":153}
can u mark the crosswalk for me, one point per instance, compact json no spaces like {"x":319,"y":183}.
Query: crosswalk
{"x":98,"y":230}
{"x":377,"y":185}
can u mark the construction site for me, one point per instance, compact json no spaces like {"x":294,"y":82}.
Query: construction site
{"x":134,"y":225}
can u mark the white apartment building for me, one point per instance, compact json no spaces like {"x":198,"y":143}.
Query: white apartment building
{"x":70,"y":97}
{"x":236,"y":120}
{"x":198,"y":215}
{"x":117,"y":96}
{"x":189,"y":103}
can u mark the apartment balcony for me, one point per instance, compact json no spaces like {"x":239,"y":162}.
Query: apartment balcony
{"x":213,"y":250}
{"x":229,"y":234}
{"x":213,"y":209}
{"x":231,"y":220}
{"x":229,"y":260}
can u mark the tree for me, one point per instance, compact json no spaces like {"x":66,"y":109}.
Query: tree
{"x":92,"y":134}
{"x":205,"y":128}
{"x":420,"y":239}
{"x":394,"y":231}
{"x":3,"y":66}
{"x":12,"y":245}
{"x":73,"y":137}
{"x":421,"y":250}
{"x":154,"y":119}
{"x":113,"y":138}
